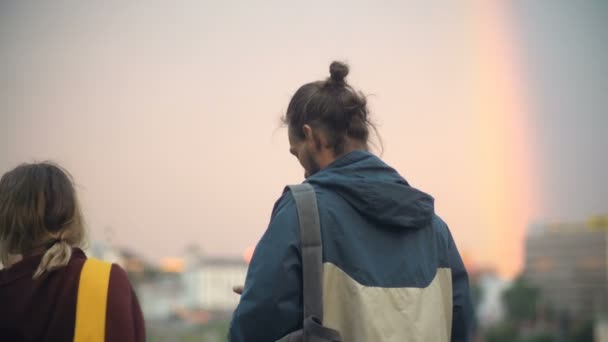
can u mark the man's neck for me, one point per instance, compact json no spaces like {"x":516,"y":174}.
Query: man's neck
{"x":328,"y":156}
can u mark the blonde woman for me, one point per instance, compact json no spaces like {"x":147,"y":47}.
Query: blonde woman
{"x":49,"y":290}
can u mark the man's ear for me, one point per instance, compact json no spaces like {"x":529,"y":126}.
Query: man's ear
{"x":308,"y":133}
{"x":315,"y":136}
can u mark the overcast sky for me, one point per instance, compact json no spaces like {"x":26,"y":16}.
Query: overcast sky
{"x":167,"y":113}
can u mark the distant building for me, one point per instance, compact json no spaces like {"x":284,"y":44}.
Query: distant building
{"x":490,"y":309}
{"x":195,"y":288}
{"x":160,"y":297}
{"x":106,"y":252}
{"x":569,"y":263}
{"x":208,"y":282}
{"x":126,"y":258}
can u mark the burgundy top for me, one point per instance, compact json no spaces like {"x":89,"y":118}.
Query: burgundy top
{"x":45,"y":309}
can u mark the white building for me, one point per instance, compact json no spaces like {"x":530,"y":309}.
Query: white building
{"x":106,"y":252}
{"x":160,"y":298}
{"x":491,"y":309}
{"x":208,"y":283}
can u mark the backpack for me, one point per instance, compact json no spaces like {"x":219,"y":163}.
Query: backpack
{"x":312,"y":270}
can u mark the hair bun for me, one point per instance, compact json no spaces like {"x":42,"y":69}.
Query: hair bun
{"x":338,"y":71}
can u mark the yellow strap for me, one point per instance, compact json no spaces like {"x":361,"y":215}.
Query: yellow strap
{"x":92,"y":301}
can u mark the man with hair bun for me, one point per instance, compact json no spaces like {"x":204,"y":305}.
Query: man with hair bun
{"x":390,"y":267}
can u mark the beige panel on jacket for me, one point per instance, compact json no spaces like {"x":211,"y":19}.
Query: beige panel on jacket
{"x":363,"y":313}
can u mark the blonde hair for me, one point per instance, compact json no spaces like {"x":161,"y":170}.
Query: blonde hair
{"x":39,"y":211}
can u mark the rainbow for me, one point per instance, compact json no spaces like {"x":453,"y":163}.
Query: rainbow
{"x":506,"y":186}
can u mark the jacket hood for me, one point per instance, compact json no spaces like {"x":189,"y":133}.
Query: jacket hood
{"x":376,"y":191}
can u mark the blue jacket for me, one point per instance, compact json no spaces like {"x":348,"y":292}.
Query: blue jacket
{"x":392,"y":271}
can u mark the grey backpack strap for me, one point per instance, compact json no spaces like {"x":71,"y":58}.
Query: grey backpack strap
{"x":312,"y":249}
